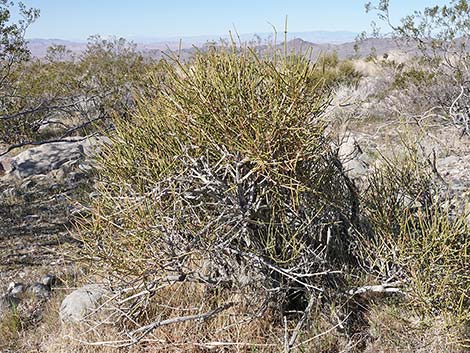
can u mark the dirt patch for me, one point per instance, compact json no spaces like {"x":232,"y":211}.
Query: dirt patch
{"x":35,"y":217}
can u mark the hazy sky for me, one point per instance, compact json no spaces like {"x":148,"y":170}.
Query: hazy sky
{"x":77,"y":19}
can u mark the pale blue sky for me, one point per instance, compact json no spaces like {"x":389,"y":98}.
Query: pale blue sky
{"x":77,"y":19}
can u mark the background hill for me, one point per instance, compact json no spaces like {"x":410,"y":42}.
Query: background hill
{"x":343,"y":43}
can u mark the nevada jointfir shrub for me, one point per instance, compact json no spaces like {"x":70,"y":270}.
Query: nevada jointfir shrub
{"x":227,"y":173}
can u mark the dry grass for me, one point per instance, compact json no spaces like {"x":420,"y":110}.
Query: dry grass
{"x":395,"y":329}
{"x":236,"y":330}
{"x":388,"y":328}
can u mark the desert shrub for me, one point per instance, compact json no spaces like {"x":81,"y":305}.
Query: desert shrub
{"x":413,"y":77}
{"x":336,"y":72}
{"x":348,"y":74}
{"x":246,"y":136}
{"x":228,"y":177}
{"x":418,"y":240}
{"x":65,"y":94}
{"x":13,"y":49}
{"x":423,"y":89}
{"x":401,"y":181}
{"x":223,"y":191}
{"x":438,"y":33}
{"x":433,"y":252}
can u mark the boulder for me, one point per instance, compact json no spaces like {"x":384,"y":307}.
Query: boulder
{"x":16,"y":288}
{"x":45,"y":158}
{"x":53,"y":127}
{"x":27,"y":297}
{"x":52,"y":156}
{"x":11,"y":300}
{"x":5,"y":166}
{"x":40,"y":291}
{"x":81,"y":302}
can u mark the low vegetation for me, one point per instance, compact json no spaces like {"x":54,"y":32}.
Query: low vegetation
{"x":226,"y":187}
{"x":67,"y":95}
{"x":224,"y":215}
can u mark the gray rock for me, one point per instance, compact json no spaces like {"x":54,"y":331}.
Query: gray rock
{"x":45,"y":158}
{"x":5,"y":165}
{"x":49,"y":280}
{"x":15,"y":289}
{"x":449,"y":161}
{"x":43,"y":290}
{"x":7,"y":303}
{"x":52,"y":156}
{"x":40,"y":291}
{"x":11,"y":299}
{"x":356,"y":168}
{"x":355,"y":162}
{"x":81,"y":302}
{"x":52,"y":127}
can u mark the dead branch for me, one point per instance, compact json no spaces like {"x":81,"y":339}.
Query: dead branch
{"x":393,"y":287}
{"x":145,"y":330}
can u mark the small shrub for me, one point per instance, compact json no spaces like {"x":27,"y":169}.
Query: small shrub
{"x":418,"y":241}
{"x":336,"y":72}
{"x":224,"y":185}
{"x":413,"y":77}
{"x":77,"y":94}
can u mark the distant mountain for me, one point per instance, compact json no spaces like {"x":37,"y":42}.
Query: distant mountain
{"x":312,"y":36}
{"x":325,"y":37}
{"x":38,"y":47}
{"x":347,"y":50}
{"x":318,"y":42}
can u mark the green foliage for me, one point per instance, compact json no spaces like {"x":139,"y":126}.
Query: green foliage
{"x":231,"y":155}
{"x":413,"y":77}
{"x":13,"y":51}
{"x":440,"y":82}
{"x":230,"y":161}
{"x":434,"y":253}
{"x":78,"y":93}
{"x":397,"y":184}
{"x":433,"y":27}
{"x":417,"y":239}
{"x":10,"y":328}
{"x":335,"y":72}
{"x":222,"y":98}
{"x":12,"y":44}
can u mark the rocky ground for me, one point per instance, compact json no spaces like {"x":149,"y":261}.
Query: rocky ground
{"x":34,"y":216}
{"x":38,"y":189}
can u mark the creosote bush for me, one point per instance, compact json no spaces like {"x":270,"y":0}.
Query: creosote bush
{"x":439,"y":86}
{"x":66,"y":94}
{"x":337,"y":72}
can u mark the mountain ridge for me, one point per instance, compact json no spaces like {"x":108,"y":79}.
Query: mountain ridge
{"x":344,"y":50}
